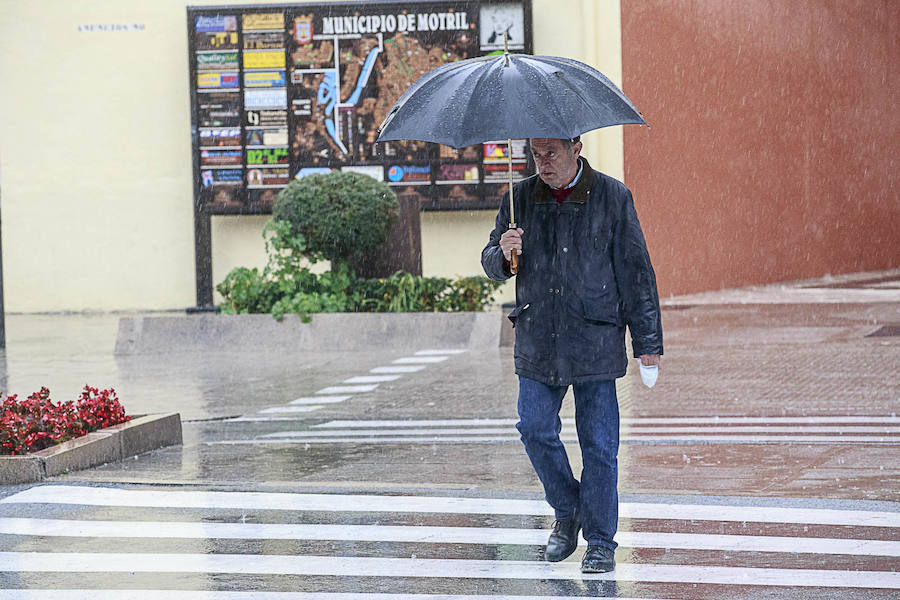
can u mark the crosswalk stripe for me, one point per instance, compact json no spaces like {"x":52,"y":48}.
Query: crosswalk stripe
{"x":390,"y":432}
{"x":262,"y":420}
{"x":764,"y":429}
{"x":634,"y":440}
{"x":84,"y":594}
{"x":372,"y":378}
{"x":351,"y":423}
{"x":419,"y":360}
{"x":626,"y":432}
{"x":104,"y":496}
{"x":398,"y":369}
{"x":320,"y":400}
{"x":429,"y":534}
{"x":430,"y":352}
{"x":449,"y":439}
{"x":353,"y":566}
{"x":347,"y":389}
{"x":290,"y":409}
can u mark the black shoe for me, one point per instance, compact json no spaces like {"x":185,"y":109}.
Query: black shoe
{"x":564,"y":539}
{"x":598,"y":559}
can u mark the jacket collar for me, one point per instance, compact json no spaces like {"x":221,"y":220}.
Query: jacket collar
{"x":580,"y":193}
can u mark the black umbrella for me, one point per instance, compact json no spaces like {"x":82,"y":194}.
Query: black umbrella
{"x":508,"y":96}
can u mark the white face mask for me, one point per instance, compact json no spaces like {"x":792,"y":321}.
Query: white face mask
{"x":649,"y":374}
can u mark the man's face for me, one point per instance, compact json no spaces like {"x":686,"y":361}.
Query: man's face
{"x":556,"y":161}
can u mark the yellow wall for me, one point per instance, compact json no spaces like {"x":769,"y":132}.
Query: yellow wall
{"x":95,"y":154}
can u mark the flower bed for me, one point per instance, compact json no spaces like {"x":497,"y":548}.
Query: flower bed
{"x":37,"y":423}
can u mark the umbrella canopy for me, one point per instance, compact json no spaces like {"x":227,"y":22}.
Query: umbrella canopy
{"x":507,"y":96}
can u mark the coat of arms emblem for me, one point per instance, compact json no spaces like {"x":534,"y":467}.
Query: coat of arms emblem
{"x":303,"y":29}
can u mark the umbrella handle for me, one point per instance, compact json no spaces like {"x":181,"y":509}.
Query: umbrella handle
{"x":513,"y":257}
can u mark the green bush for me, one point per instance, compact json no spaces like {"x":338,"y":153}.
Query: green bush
{"x":340,"y":215}
{"x":287,"y":286}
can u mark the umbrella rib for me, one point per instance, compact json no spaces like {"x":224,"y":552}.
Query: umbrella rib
{"x":608,"y":85}
{"x":481,"y":76}
{"x":428,"y":78}
{"x":560,"y":117}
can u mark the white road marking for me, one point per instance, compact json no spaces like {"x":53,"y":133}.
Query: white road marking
{"x":319,"y":399}
{"x":875,"y":420}
{"x":443,"y":439}
{"x":83,"y":594}
{"x":372,"y":378}
{"x":433,"y":352}
{"x":839,"y":429}
{"x":684,"y":440}
{"x":360,"y":433}
{"x":427,"y":534}
{"x":419,"y":360}
{"x":417,"y":423}
{"x":565,"y":433}
{"x":261,"y":419}
{"x":290,"y":409}
{"x":398,"y":369}
{"x":766,"y":439}
{"x":352,"y":566}
{"x":348,"y":389}
{"x":106,"y":496}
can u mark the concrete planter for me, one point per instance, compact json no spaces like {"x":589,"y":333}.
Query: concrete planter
{"x":334,"y":331}
{"x":137,"y":436}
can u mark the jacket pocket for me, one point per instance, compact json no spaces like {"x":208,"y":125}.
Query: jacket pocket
{"x":516,"y":312}
{"x":601,"y":242}
{"x":532,"y":335}
{"x":602,"y":313}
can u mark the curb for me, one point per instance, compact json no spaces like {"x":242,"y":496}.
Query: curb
{"x":115,"y":443}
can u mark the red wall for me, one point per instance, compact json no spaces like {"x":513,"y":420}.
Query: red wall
{"x":774,"y":144}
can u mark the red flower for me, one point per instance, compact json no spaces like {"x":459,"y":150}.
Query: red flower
{"x":36,"y":422}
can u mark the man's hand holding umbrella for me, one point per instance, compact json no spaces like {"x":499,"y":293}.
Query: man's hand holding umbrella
{"x":511,"y":241}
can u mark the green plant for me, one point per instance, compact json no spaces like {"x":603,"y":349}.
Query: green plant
{"x":340,"y":215}
{"x":471,"y":293}
{"x":285,"y":274}
{"x":286,"y":285}
{"x":402,"y":292}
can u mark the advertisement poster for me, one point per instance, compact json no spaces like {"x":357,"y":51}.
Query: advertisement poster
{"x":220,"y":137}
{"x":267,"y":137}
{"x":219,"y":109}
{"x":283,"y":91}
{"x":264,"y":59}
{"x":210,"y":158}
{"x":262,"y":178}
{"x":456,"y":173}
{"x":409,"y":174}
{"x":214,"y":61}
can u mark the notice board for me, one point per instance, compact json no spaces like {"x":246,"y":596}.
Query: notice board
{"x":279,"y":92}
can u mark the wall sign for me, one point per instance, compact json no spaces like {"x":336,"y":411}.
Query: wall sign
{"x":283,"y":91}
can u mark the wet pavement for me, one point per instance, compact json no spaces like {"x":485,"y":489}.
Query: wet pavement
{"x":764,"y":464}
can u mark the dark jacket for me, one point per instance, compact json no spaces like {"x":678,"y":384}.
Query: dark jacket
{"x":584,"y":274}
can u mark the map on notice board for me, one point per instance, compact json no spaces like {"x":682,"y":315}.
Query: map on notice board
{"x":285,"y":91}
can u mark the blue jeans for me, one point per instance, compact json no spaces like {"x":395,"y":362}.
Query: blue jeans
{"x":597,"y":420}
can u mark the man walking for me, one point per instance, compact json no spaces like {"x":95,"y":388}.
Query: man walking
{"x":583,"y":275}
